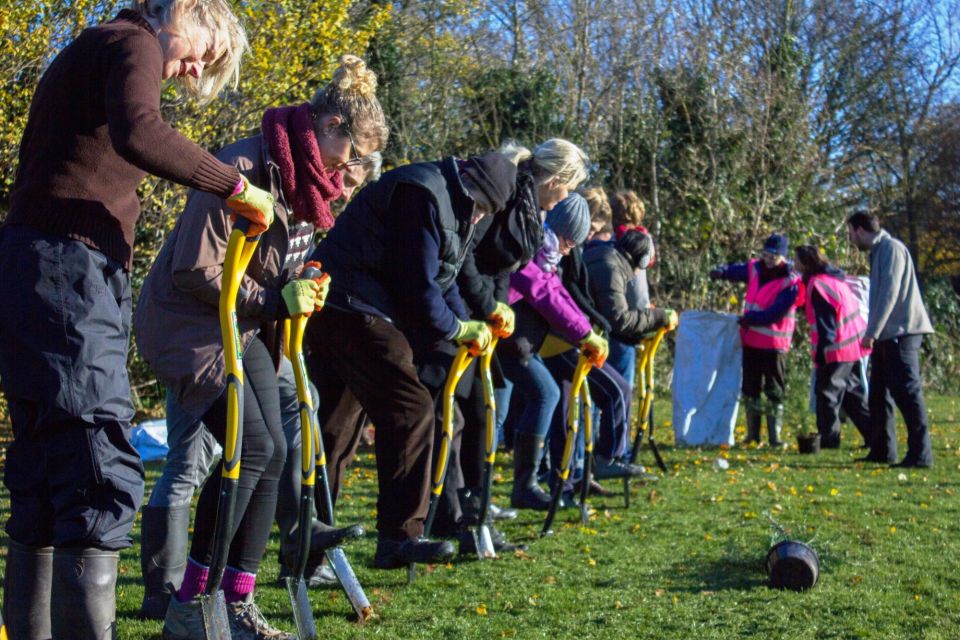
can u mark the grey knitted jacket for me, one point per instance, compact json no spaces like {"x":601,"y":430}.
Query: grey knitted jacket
{"x":896,"y":307}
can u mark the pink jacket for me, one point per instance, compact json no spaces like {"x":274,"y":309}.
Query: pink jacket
{"x":545,"y":293}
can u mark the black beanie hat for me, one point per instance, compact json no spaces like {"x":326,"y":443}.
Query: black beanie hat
{"x":496,"y":177}
{"x":636,"y":246}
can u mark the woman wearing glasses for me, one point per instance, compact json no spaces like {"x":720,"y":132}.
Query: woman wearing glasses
{"x":300,"y":156}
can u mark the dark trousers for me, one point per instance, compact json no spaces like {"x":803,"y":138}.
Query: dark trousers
{"x":764,"y":370}
{"x":373,"y":359}
{"x":74,"y":479}
{"x":262,"y":455}
{"x":839,"y":386}
{"x":895,"y":378}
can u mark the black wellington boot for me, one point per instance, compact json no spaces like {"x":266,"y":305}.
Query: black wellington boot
{"x":754,"y":420}
{"x":163,"y":556}
{"x":527,"y":494}
{"x":26,"y":592}
{"x":83,"y":599}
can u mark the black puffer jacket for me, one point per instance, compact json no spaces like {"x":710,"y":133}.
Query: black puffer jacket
{"x":576,"y":280}
{"x":610,"y":274}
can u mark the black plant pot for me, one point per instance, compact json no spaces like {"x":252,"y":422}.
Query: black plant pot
{"x":808,"y":442}
{"x":792,"y":564}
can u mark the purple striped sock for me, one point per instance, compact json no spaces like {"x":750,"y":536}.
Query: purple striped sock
{"x":194,"y":581}
{"x":237,"y":585}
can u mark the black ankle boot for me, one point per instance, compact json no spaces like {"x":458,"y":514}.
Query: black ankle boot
{"x":83,"y":599}
{"x":163,"y":556}
{"x":26,"y":592}
{"x":322,"y":537}
{"x":397,"y":554}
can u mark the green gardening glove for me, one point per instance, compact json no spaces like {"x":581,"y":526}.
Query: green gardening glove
{"x":474,"y":335}
{"x":252,"y":203}
{"x":502,"y":320}
{"x":595,"y":348}
{"x":300,"y":296}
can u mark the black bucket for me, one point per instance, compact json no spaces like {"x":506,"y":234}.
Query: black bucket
{"x":792,"y":564}
{"x":808,"y":443}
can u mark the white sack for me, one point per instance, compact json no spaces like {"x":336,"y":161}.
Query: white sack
{"x":706,"y":378}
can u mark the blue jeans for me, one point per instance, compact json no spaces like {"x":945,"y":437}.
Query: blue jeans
{"x":539,"y":391}
{"x":191,"y":451}
{"x":502,"y":396}
{"x":623,"y":358}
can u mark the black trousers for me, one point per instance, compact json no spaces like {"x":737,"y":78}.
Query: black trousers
{"x":262,"y":456}
{"x":74,"y":478}
{"x":764,"y":370}
{"x":372,"y":358}
{"x":895,"y":379}
{"x":839,"y":386}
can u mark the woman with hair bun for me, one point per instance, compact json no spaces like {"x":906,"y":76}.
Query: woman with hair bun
{"x":300,"y":156}
{"x":66,"y":249}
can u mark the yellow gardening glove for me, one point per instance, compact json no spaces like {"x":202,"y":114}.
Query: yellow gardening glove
{"x":502,"y":320}
{"x":313,"y":271}
{"x":595,"y":348}
{"x":475,"y":335}
{"x":300,"y":296}
{"x":254,"y":204}
{"x":673,"y":319}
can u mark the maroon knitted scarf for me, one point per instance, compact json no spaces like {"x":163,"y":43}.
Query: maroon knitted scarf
{"x":308,"y":187}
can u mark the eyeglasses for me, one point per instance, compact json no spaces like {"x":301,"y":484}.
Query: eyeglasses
{"x":356,"y":160}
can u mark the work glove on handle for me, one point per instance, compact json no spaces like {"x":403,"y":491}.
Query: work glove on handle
{"x":502,"y":320}
{"x":475,"y":335}
{"x":673,"y":319}
{"x":252,"y":203}
{"x":300,"y":296}
{"x":313,"y":271}
{"x":595,"y":348}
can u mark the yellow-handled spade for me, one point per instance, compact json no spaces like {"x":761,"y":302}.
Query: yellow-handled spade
{"x":240,"y":249}
{"x":579,"y":401}
{"x":461,"y":362}
{"x":296,"y":585}
{"x":317,"y":463}
{"x":648,"y":348}
{"x":482,"y":538}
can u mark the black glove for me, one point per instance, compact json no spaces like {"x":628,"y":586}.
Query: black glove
{"x":716,"y":274}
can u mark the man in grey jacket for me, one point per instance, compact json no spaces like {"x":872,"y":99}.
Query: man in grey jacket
{"x":895,"y":328}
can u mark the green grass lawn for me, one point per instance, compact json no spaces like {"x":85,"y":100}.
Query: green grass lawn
{"x":685,"y":561}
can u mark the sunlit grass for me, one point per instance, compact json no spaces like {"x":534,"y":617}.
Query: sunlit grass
{"x":685,"y":561}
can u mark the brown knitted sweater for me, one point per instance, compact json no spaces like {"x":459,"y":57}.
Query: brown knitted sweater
{"x":95,"y":131}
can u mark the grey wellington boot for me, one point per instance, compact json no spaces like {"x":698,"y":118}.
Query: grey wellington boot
{"x":26,"y":592}
{"x":163,"y":556}
{"x":83,"y":599}
{"x":775,"y":425}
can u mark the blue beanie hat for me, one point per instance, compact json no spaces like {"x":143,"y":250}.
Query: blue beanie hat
{"x":570,"y":218}
{"x":777,"y":244}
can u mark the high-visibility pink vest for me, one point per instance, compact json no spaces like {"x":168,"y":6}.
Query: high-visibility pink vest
{"x":850,"y":322}
{"x":777,"y":336}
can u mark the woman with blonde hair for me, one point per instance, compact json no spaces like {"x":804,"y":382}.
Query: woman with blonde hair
{"x":300,"y":157}
{"x":66,"y":249}
{"x":601,"y":215}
